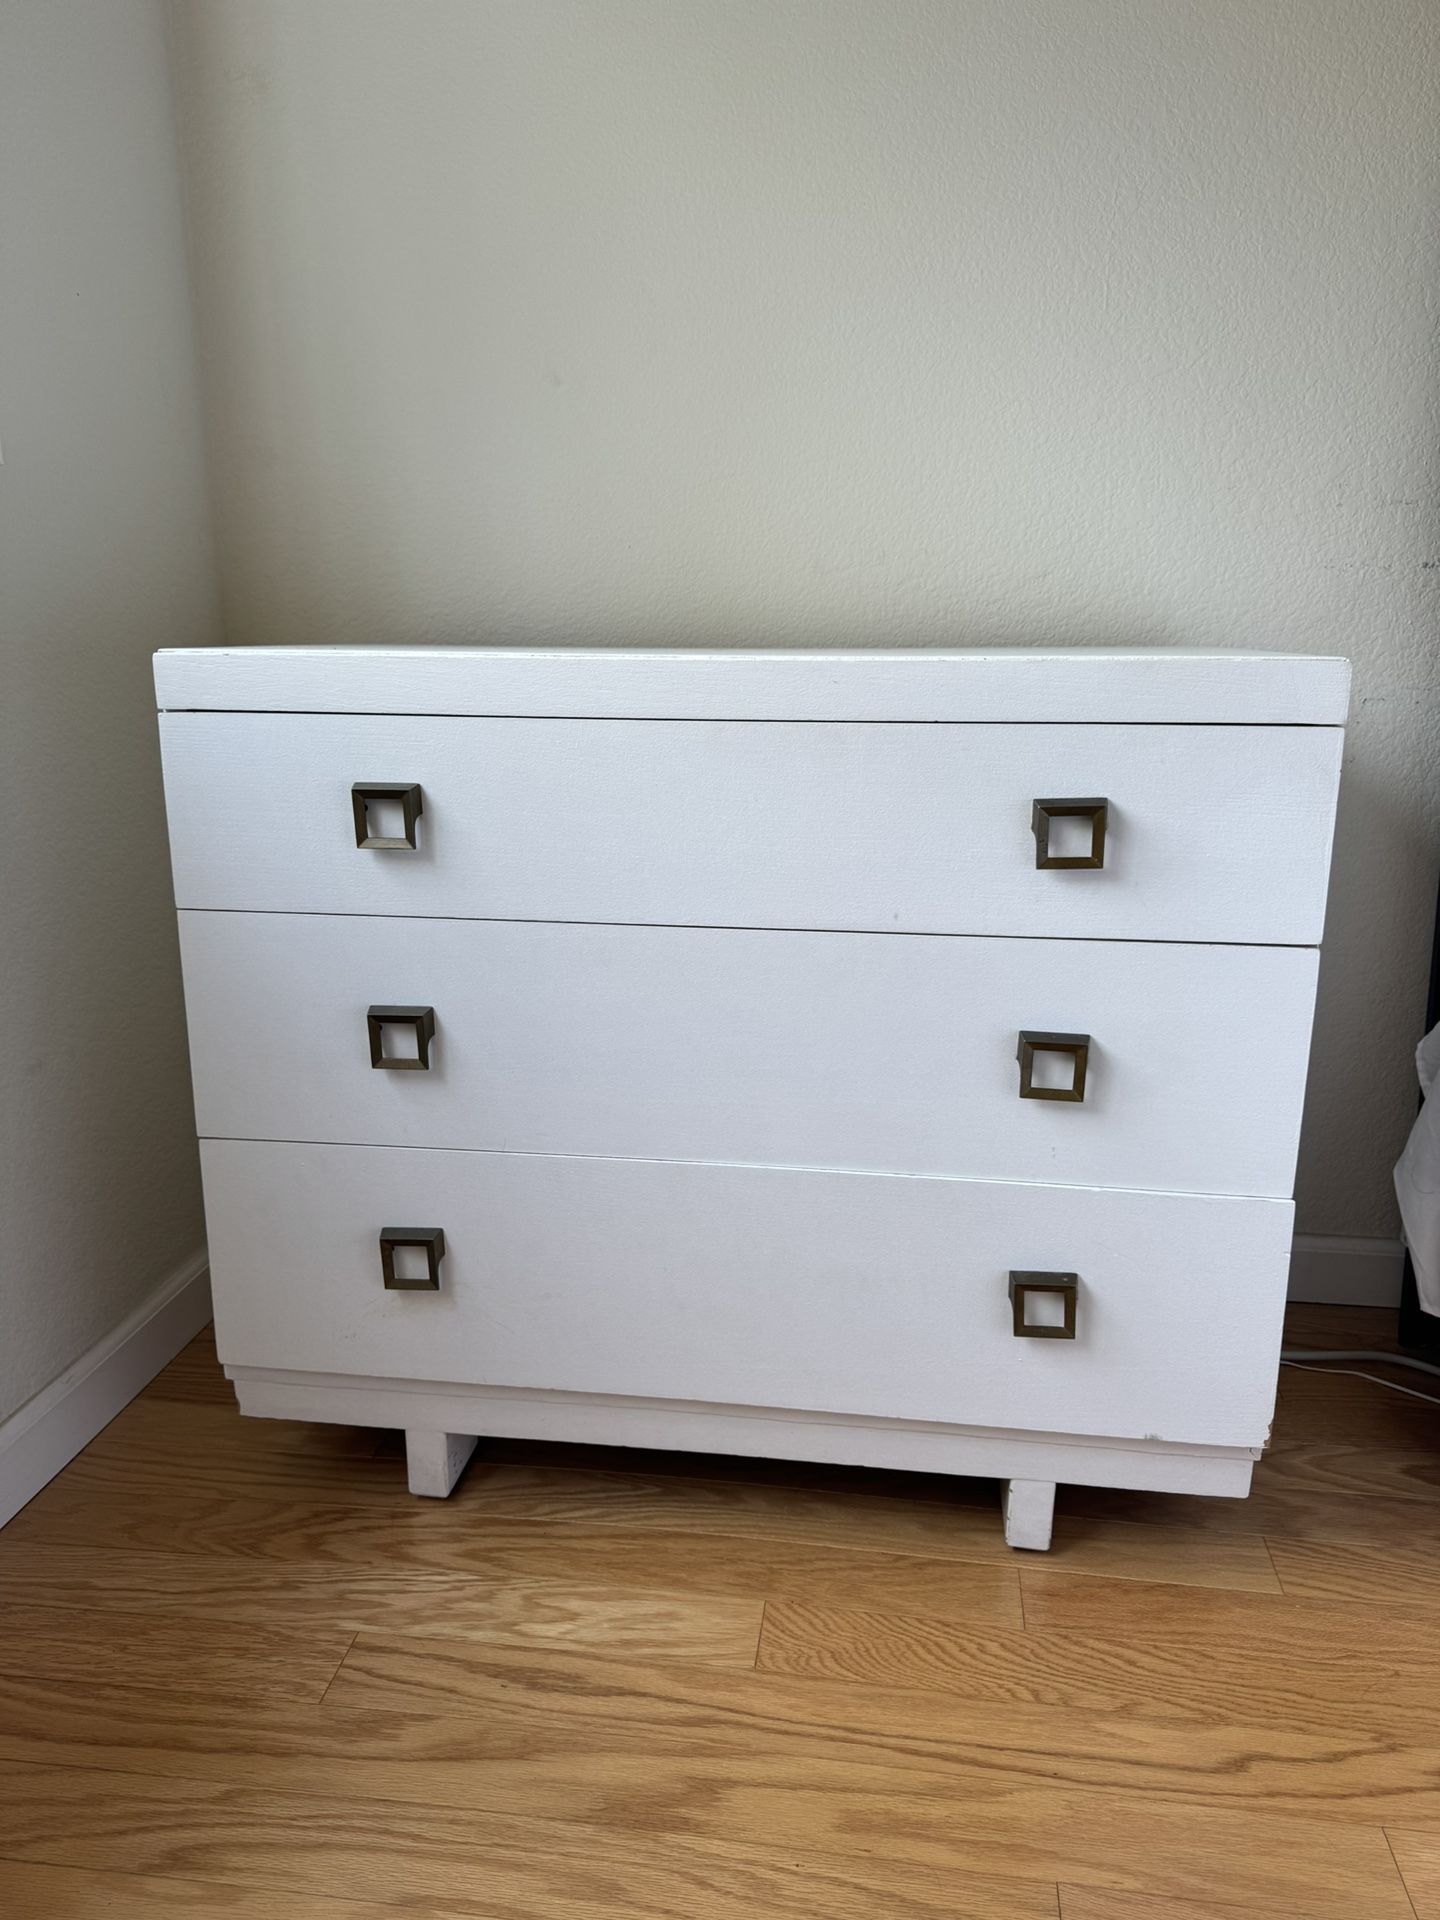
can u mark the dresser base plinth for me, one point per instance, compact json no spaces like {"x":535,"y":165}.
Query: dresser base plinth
{"x":439,"y":1418}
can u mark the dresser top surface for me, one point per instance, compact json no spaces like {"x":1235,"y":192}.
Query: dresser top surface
{"x":1016,"y":685}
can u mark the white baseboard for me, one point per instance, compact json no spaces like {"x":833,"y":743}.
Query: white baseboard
{"x":48,"y":1431}
{"x":1339,"y":1272}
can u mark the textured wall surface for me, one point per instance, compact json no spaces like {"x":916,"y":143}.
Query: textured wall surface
{"x":840,"y":322}
{"x":104,"y":554}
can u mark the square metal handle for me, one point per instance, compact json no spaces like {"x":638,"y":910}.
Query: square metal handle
{"x":422,"y":1019}
{"x":1024,"y":1286}
{"x":1076,"y":1045}
{"x":1043,"y":812}
{"x":431,"y":1239}
{"x":412,"y":805}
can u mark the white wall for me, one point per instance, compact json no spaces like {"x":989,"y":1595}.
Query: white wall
{"x":859,"y":322}
{"x":104,"y":554}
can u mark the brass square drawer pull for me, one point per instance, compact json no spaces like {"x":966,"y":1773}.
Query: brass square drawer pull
{"x":397,"y":1262}
{"x":1051,"y":1288}
{"x":1075,"y":1045}
{"x":366,"y":794}
{"x":421,"y":1019}
{"x":1043,"y":814}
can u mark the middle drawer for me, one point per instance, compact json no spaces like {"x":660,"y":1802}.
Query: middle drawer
{"x":869,"y":1052}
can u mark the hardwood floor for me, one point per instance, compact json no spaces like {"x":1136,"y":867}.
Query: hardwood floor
{"x":243,"y":1674}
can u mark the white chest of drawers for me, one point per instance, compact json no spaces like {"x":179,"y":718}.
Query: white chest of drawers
{"x":891,"y":1058}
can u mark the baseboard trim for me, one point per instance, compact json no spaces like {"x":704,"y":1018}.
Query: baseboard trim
{"x":1332,"y":1270}
{"x":47,"y":1432}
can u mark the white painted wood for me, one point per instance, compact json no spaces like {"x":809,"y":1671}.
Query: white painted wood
{"x":1029,"y":1514}
{"x":434,"y":1461}
{"x":604,"y":1421}
{"x":853,"y":1293}
{"x":1216,"y":834}
{"x":47,"y":1432}
{"x":799,"y":1049}
{"x":1344,"y":1272}
{"x":1246,"y":689}
{"x":645,"y":908}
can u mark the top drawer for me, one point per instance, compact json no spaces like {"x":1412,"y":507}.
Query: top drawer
{"x":1213,"y":833}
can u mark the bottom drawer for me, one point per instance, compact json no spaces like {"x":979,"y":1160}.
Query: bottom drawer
{"x":873,"y":1294}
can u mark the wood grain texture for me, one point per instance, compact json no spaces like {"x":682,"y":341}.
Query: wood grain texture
{"x":1319,"y":1489}
{"x":152,"y":1427}
{"x":1313,"y":1323}
{"x":662,"y":1538}
{"x":486,"y":1864}
{"x":226,"y":1690}
{"x":1417,"y":1854}
{"x":1380,"y":1572}
{"x":29,"y":1892}
{"x":835,"y":1517}
{"x":255,"y":1560}
{"x":1337,"y":1768}
{"x":160,"y":1653}
{"x":1097,"y":1903}
{"x":194,"y":1377}
{"x":251,"y":1602}
{"x":564,"y":1735}
{"x":138,"y":1459}
{"x":1322,"y":1490}
{"x":1220,"y":1678}
{"x":1281,"y":1624}
{"x":1317,"y":1484}
{"x":390,"y":1850}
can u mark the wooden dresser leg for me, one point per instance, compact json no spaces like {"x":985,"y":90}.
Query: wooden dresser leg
{"x":434,"y":1461}
{"x":1029,"y":1511}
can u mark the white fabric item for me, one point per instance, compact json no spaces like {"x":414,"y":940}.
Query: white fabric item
{"x":1417,"y":1179}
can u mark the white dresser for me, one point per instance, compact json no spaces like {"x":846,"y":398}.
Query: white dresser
{"x":891,"y":1058}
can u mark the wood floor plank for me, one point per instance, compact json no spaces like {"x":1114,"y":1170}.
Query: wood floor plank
{"x":30,"y":1892}
{"x":142,"y":1453}
{"x":1397,"y":1448}
{"x":449,"y":1724}
{"x":1251,"y":1680}
{"x":523,"y":1869}
{"x":549,"y":1706}
{"x":1320,"y":1489}
{"x":1314,"y":1323}
{"x":1417,"y":1855}
{"x":527,"y":1525}
{"x":168,"y":1654}
{"x":632,"y":1502}
{"x":1373,"y":1574}
{"x":1096,"y":1903}
{"x":387,"y":1850}
{"x":1316,"y":1405}
{"x":509,"y":1611}
{"x":1341,"y":1772}
{"x":195,"y":1376}
{"x":252,"y":1554}
{"x":1281,"y":1624}
{"x":416,"y":1702}
{"x":154,"y":1431}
